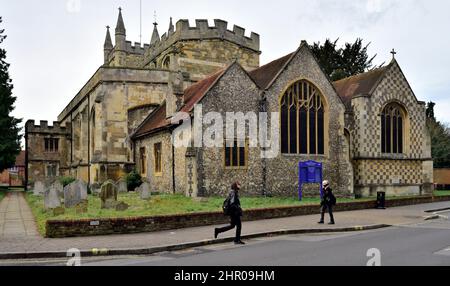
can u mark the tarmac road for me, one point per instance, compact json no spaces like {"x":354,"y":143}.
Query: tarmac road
{"x":422,"y":244}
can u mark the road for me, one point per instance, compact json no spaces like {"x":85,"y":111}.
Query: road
{"x":422,"y":244}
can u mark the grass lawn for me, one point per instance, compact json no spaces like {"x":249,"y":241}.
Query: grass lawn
{"x":441,"y":193}
{"x":159,"y":205}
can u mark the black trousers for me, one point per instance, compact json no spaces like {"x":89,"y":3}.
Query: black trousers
{"x":330,"y":212}
{"x":235,"y":222}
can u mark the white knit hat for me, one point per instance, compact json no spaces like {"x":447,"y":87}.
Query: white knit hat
{"x":325,"y":183}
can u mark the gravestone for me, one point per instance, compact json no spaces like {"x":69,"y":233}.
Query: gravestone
{"x":122,"y":186}
{"x":59,"y":188}
{"x":59,"y":211}
{"x":52,"y":199}
{"x":122,"y":206}
{"x":75,"y":193}
{"x":144,"y":191}
{"x":108,"y":195}
{"x":39,"y":188}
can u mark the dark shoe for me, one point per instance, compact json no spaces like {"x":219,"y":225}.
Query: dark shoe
{"x":332,"y":222}
{"x":239,"y":242}
{"x":216,"y":233}
{"x":320,"y":222}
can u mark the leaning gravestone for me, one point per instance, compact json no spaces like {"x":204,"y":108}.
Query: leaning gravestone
{"x":144,"y":191}
{"x":52,"y":199}
{"x":39,"y":188}
{"x":122,"y":186}
{"x":108,"y":195}
{"x":75,"y":193}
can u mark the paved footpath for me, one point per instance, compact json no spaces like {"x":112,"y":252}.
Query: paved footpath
{"x":16,"y":219}
{"x":19,"y":231}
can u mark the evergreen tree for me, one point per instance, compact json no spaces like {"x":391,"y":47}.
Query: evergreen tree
{"x":9,"y":129}
{"x":440,"y":139}
{"x":340,"y":63}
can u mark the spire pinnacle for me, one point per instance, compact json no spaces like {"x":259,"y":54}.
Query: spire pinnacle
{"x":171,"y":27}
{"x":120,"y":27}
{"x":155,"y":36}
{"x":108,"y":42}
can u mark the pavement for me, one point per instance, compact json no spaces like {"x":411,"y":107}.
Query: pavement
{"x":16,"y":219}
{"x":20,"y":238}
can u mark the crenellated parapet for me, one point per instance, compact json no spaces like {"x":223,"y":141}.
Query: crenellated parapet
{"x":202,"y":31}
{"x":44,"y":128}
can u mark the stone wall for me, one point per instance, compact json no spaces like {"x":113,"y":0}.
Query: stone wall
{"x":235,"y":92}
{"x":406,"y":173}
{"x":89,"y":227}
{"x":282,"y":171}
{"x":163,"y":182}
{"x":38,"y":158}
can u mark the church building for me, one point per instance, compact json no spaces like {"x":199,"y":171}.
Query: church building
{"x":368,"y":131}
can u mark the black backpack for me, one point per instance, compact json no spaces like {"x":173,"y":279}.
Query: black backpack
{"x":226,"y":207}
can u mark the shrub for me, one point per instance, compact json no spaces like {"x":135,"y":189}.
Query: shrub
{"x":66,"y":180}
{"x":134,"y":180}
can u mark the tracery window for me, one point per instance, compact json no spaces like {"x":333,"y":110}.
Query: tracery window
{"x":302,"y":120}
{"x":392,"y":129}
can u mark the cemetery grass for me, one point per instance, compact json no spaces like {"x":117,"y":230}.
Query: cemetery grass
{"x":165,"y":204}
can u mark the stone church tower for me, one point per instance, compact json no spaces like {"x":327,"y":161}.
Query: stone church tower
{"x":91,"y":138}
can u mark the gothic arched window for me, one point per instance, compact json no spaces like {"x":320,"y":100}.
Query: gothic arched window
{"x":166,"y":63}
{"x":302,"y":120}
{"x":392,"y":129}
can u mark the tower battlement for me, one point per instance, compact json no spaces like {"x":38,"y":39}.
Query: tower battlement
{"x":202,"y":31}
{"x":43,"y":127}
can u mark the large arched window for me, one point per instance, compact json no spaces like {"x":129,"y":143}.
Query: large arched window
{"x":302,"y":120}
{"x":392,"y":129}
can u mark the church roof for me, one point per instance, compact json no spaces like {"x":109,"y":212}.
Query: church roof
{"x":157,"y":120}
{"x":360,"y":84}
{"x":264,"y":75}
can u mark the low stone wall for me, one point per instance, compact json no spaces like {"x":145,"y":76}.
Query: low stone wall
{"x":90,"y":227}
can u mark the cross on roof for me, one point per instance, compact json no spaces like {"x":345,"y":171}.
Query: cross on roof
{"x":393,"y":52}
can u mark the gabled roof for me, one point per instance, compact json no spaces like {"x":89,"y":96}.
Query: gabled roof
{"x":197,"y":91}
{"x":360,"y":84}
{"x":264,"y":75}
{"x":157,"y":120}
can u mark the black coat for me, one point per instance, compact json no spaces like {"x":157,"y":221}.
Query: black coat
{"x":235,"y":204}
{"x":328,"y":197}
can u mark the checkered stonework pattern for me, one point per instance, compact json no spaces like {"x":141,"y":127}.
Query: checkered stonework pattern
{"x":367,"y":109}
{"x":388,"y":172}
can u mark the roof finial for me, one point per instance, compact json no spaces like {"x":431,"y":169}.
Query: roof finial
{"x":120,"y":28}
{"x":108,"y":43}
{"x":155,"y":36}
{"x":393,"y":52}
{"x":154,"y":16}
{"x":171,"y":27}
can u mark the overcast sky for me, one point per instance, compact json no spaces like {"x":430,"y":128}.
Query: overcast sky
{"x":55,"y":46}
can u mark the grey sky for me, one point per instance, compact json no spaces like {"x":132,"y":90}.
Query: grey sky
{"x":54,"y":46}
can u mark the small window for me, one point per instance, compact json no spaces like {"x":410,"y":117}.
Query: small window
{"x":158,"y":158}
{"x":236,"y":156}
{"x":51,"y":171}
{"x":51,"y":144}
{"x":143,"y":159}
